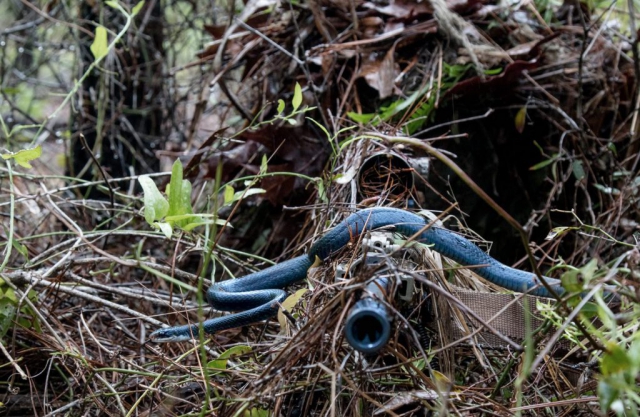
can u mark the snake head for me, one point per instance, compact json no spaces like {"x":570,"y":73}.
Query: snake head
{"x":174,"y":334}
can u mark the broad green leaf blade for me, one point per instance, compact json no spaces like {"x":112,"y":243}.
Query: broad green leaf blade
{"x":136,"y":9}
{"x":155,"y":205}
{"x":221,"y":362}
{"x":24,"y":156}
{"x":280,"y":106}
{"x":8,"y":312}
{"x":607,"y":394}
{"x":99,"y":47}
{"x":589,"y":270}
{"x":361,"y":118}
{"x":185,"y":201}
{"x":220,"y":222}
{"x":176,"y":218}
{"x":322,"y":194}
{"x":246,"y":193}
{"x":607,"y":190}
{"x":571,"y":281}
{"x":578,"y":170}
{"x":634,"y":353}
{"x":615,"y":360}
{"x":297,"y":97}
{"x":8,"y":309}
{"x":229,"y":192}
{"x":165,"y":228}
{"x":175,"y":189}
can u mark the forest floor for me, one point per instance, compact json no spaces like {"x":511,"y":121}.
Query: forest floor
{"x":515,"y":125}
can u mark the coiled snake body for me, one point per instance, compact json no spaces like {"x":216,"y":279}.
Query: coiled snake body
{"x":257,"y":295}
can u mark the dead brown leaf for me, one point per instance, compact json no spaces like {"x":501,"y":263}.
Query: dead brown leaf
{"x":381,"y":74}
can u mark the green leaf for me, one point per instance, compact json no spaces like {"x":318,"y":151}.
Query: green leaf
{"x":176,"y":218}
{"x":559,"y":231}
{"x":99,"y":47}
{"x":589,"y":311}
{"x":11,"y":90}
{"x":571,"y":281}
{"x":175,"y":189}
{"x":578,"y":170}
{"x":494,"y":71}
{"x":22,"y":249}
{"x":614,"y":360}
{"x":136,"y":9}
{"x":588,"y":271}
{"x":420,"y":363}
{"x":221,"y":362}
{"x":608,"y":319}
{"x":543,"y":164}
{"x":228,"y":194}
{"x":361,"y":118}
{"x":421,"y":115}
{"x":297,"y":97}
{"x":263,"y":165}
{"x":607,"y":190}
{"x":164,"y":228}
{"x":112,"y":3}
{"x":634,"y":353}
{"x":185,"y":201}
{"x":321,"y":191}
{"x":457,"y":71}
{"x":280,"y":106}
{"x":220,"y":222}
{"x":23,"y":157}
{"x":155,"y":205}
{"x":8,"y":313}
{"x":607,"y":395}
{"x":256,"y":412}
{"x":246,"y":193}
{"x":8,"y":308}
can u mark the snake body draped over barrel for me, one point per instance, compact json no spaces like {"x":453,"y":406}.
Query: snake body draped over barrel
{"x":256,"y":296}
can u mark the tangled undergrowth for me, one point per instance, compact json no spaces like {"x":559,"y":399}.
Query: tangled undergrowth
{"x":518,"y":122}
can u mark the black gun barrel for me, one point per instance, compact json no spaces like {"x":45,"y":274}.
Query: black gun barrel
{"x":368,"y":325}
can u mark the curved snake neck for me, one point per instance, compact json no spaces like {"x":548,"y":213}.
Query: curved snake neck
{"x":257,"y":295}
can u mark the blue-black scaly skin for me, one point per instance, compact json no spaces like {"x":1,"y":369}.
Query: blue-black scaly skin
{"x":257,"y":295}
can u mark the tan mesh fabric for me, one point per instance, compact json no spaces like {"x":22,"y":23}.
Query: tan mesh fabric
{"x":505,"y":313}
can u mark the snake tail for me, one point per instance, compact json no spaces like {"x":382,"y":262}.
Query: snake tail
{"x":258,"y":294}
